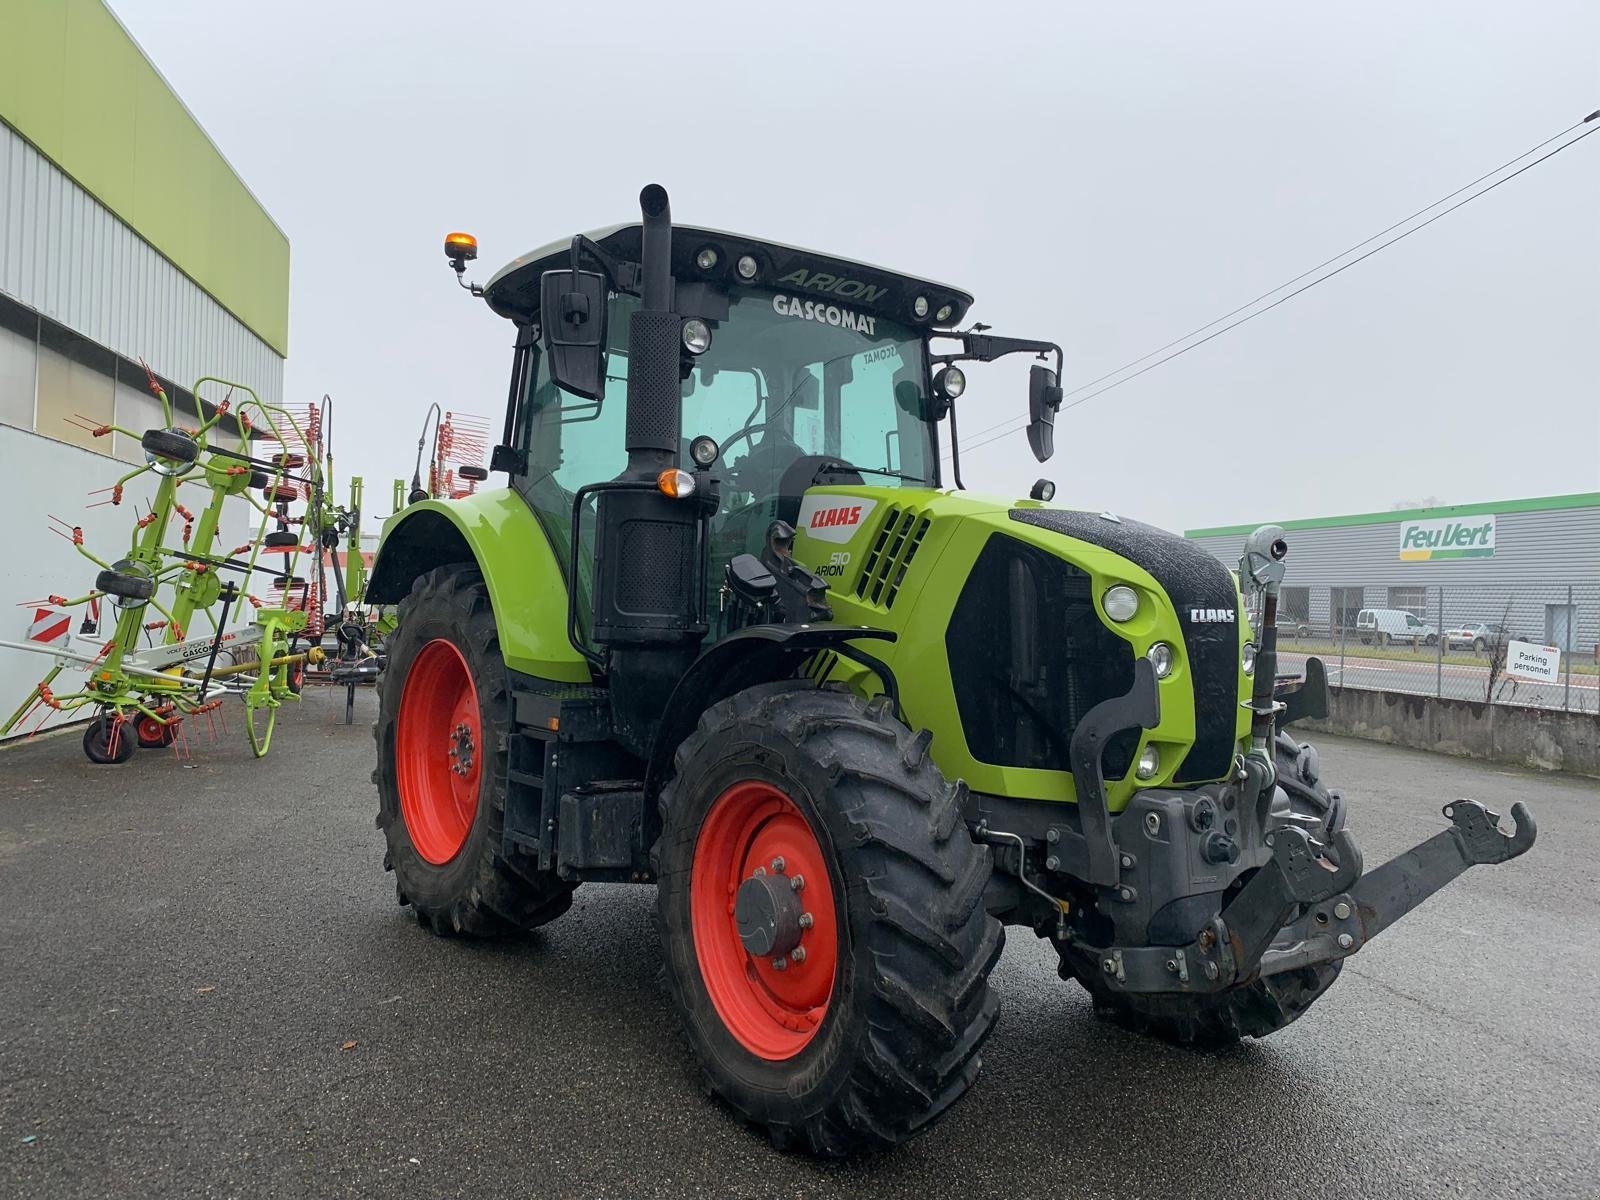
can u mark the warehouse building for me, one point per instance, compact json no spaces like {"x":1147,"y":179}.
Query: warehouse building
{"x":1532,"y":566}
{"x":125,"y":238}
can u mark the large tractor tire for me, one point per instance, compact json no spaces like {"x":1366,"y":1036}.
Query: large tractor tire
{"x":444,"y":725}
{"x":1268,"y":1004}
{"x":821,"y":914}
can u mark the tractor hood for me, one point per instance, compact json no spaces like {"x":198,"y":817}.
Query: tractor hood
{"x":513,"y":292}
{"x":1005,"y":633}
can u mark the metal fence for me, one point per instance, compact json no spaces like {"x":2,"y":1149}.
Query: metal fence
{"x":1450,"y":640}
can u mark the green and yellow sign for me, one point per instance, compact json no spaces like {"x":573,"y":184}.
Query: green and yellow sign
{"x":1424,"y":541}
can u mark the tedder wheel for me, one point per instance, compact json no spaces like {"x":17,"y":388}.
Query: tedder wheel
{"x":125,"y":584}
{"x":170,"y":444}
{"x":108,"y":740}
{"x":822,"y":920}
{"x":444,"y":725}
{"x":1256,"y":1009}
{"x":154,"y":734}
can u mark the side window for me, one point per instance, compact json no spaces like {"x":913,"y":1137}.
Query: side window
{"x":868,"y":427}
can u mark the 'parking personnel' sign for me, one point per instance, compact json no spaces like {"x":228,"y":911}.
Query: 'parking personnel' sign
{"x":1528,"y":661}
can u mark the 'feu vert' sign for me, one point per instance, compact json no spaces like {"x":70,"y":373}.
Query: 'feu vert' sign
{"x":1472,"y":537}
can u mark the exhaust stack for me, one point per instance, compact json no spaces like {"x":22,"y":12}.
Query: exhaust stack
{"x":655,"y":417}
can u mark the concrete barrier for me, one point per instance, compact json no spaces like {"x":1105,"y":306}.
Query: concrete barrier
{"x":1527,"y":737}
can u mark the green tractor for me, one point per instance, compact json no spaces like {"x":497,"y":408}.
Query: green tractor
{"x":729,"y":631}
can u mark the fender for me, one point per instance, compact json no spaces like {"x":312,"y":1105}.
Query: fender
{"x":746,"y":657}
{"x":498,"y":532}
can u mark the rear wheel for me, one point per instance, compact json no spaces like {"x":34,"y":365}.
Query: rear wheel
{"x":820,"y":909}
{"x":444,"y":724}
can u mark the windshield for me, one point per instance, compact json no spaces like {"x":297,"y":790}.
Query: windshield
{"x":796,"y":391}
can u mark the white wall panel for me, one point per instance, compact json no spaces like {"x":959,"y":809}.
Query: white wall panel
{"x":64,"y":254}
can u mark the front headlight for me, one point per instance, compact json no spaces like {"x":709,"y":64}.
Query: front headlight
{"x":1149,"y":763}
{"x":1247,"y":658}
{"x":1120,"y":602}
{"x":1160,"y":656}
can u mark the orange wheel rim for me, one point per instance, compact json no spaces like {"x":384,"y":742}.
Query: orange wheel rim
{"x":753,"y":846}
{"x":439,"y":751}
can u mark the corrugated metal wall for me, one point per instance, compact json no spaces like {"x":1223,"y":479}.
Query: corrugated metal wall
{"x":64,"y":254}
{"x":1538,"y":555}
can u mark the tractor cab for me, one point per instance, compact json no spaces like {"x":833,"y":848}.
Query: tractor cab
{"x":795,"y":370}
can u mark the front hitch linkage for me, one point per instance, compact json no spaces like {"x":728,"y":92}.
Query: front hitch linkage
{"x":1342,"y":909}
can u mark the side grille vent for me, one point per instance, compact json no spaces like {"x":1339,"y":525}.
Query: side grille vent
{"x":890,"y":557}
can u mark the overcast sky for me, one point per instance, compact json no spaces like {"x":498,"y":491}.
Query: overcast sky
{"x":1108,"y":176}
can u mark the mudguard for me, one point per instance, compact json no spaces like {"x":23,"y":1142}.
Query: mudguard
{"x":498,"y":531}
{"x":755,"y":654}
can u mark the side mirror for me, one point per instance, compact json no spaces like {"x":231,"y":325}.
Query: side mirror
{"x":476,"y":474}
{"x":1044,"y":398}
{"x":572,"y":315}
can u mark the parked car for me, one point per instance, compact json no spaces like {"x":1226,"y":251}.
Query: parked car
{"x":1386,"y":626}
{"x":1293,"y":627}
{"x":1480,"y":636}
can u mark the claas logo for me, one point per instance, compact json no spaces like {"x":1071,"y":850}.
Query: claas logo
{"x":849,"y":514}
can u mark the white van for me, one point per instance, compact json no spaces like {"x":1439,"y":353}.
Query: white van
{"x":1388,"y":625}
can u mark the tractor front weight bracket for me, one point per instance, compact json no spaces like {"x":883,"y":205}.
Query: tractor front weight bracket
{"x":1301,"y":910}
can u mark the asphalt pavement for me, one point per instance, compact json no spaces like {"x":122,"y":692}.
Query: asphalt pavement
{"x":206,"y":989}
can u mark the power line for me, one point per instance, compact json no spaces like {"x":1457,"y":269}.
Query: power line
{"x":1013,"y":424}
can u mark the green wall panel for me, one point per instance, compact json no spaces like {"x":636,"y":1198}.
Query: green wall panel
{"x":75,"y":85}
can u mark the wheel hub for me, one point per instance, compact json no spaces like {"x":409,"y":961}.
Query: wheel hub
{"x":461,"y":749}
{"x":767,"y":910}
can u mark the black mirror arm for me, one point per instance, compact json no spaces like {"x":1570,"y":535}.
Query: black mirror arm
{"x":622,"y":276}
{"x":955,"y":448}
{"x":983,"y":347}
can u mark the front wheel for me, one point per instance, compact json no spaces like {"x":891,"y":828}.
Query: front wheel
{"x":1478,"y":644}
{"x":444,"y":727}
{"x":820,"y":909}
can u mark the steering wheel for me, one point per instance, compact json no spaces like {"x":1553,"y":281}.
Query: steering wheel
{"x":738,"y":435}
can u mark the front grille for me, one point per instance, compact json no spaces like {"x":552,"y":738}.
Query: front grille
{"x":890,"y":557}
{"x":1029,"y":656}
{"x":1192,"y":579}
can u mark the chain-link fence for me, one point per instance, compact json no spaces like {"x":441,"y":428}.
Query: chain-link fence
{"x":1535,"y":645}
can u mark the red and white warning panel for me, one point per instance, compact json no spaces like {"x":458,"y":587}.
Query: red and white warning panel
{"x":51,"y":626}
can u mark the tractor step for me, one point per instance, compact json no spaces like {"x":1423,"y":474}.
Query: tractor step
{"x":576,"y":801}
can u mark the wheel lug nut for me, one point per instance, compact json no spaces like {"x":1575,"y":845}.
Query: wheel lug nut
{"x":777,"y":865}
{"x":758,"y":872}
{"x":807,"y":920}
{"x":798,"y":954}
{"x":780,"y":964}
{"x":798,"y":882}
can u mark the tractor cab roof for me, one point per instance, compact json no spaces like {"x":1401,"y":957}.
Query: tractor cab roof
{"x":513,"y":292}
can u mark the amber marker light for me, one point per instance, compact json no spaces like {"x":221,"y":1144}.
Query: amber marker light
{"x":675,"y":483}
